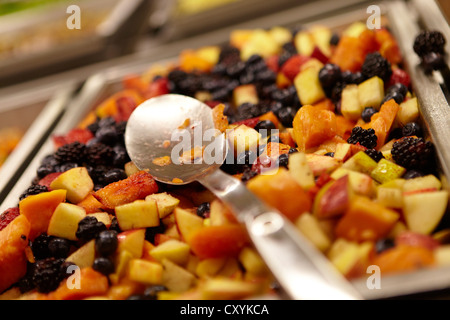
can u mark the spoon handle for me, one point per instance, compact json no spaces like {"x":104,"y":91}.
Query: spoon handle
{"x":303,"y":272}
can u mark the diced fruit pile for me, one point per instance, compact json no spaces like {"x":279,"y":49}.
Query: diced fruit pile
{"x":348,"y":164}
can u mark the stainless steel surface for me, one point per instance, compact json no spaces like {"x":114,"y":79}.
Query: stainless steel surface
{"x":113,"y":35}
{"x":303,"y":272}
{"x":36,"y":113}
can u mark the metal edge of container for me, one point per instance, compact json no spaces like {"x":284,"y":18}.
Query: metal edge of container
{"x":102,"y":43}
{"x":36,"y":134}
{"x":435,"y":110}
{"x":392,"y":286}
{"x":61,"y":102}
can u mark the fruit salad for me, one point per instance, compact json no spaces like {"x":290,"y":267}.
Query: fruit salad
{"x":327,"y":132}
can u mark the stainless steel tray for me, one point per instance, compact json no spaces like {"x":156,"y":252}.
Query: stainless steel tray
{"x":434,"y":109}
{"x":114,"y":34}
{"x":35,"y":111}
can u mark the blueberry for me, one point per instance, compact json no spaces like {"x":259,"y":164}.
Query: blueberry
{"x":330,"y":154}
{"x":266,"y":76}
{"x":384,"y":244}
{"x":293,"y":150}
{"x":264,"y":127}
{"x":286,"y":116}
{"x":106,"y":242}
{"x":235,"y":70}
{"x":67,"y":166}
{"x":106,"y":122}
{"x":433,"y":61}
{"x":329,"y":75}
{"x":411,"y":174}
{"x":398,"y":87}
{"x":412,"y":129}
{"x":106,"y":135}
{"x":151,"y":293}
{"x":283,"y":160}
{"x":396,"y":95}
{"x":103,"y":265}
{"x":334,"y":40}
{"x":59,"y":247}
{"x":204,"y":209}
{"x":358,"y":78}
{"x":367,"y":113}
{"x":114,"y":175}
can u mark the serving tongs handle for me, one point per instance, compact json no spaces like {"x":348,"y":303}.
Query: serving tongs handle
{"x":303,"y":272}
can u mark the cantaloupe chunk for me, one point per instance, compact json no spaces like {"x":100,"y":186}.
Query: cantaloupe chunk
{"x":13,"y":241}
{"x":312,"y":126}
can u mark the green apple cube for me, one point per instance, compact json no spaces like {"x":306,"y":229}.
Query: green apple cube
{"x":137,"y":214}
{"x":64,"y":221}
{"x":309,"y":88}
{"x":301,"y":171}
{"x":424,"y":210}
{"x":174,"y":250}
{"x":350,"y":105}
{"x":76,"y":181}
{"x":360,"y":162}
{"x":422,"y":183}
{"x":243,"y":138}
{"x":386,"y":171}
{"x":408,"y":111}
{"x":165,"y":202}
{"x":390,"y":197}
{"x":371,"y":92}
{"x":176,"y":278}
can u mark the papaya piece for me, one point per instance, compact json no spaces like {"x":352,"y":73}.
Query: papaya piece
{"x":271,"y":117}
{"x":39,"y":209}
{"x":91,"y":283}
{"x":135,"y":187}
{"x":344,"y":127}
{"x":110,"y":108}
{"x":281,"y":191}
{"x":383,"y":121}
{"x":313,"y":126}
{"x":366,"y":220}
{"x":91,"y":205}
{"x":325,"y":104}
{"x":13,"y":242}
{"x":403,"y":258}
{"x":349,"y":54}
{"x":219,"y":241}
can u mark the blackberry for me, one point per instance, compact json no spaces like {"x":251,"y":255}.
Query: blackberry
{"x":384,"y":244}
{"x":429,"y":41}
{"x":365,"y":137}
{"x":98,"y":173}
{"x":433,"y":61}
{"x":40,"y":246}
{"x":73,"y":152}
{"x":367,"y":113}
{"x":89,"y":227}
{"x":376,"y":65}
{"x":374,"y":154}
{"x":99,"y":154}
{"x":413,"y":153}
{"x":229,"y":55}
{"x":329,"y":75}
{"x":47,"y":274}
{"x":33,"y":190}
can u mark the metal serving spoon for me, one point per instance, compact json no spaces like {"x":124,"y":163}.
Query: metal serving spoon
{"x":158,"y":132}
